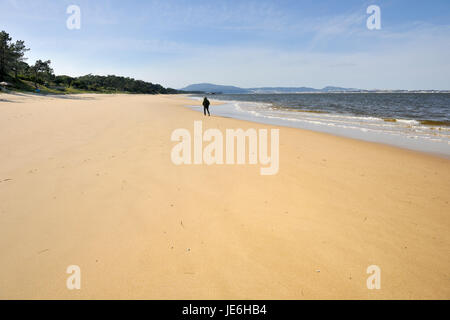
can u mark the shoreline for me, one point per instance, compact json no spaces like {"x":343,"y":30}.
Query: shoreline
{"x":401,"y":140}
{"x":88,"y":181}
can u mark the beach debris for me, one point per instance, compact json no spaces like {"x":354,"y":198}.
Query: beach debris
{"x":318,"y":270}
{"x":189,"y":249}
{"x":42,"y":251}
{"x":182,"y":223}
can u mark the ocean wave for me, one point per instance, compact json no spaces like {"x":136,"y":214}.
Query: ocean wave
{"x":365,"y":124}
{"x":424,"y":135}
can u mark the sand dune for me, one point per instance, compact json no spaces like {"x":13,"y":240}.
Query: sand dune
{"x":88,"y":180}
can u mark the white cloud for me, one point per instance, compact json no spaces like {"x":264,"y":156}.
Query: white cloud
{"x":336,"y":50}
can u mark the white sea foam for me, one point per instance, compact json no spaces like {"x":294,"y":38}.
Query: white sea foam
{"x":402,"y":132}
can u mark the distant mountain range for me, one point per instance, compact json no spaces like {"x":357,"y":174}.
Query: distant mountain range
{"x":215,"y":88}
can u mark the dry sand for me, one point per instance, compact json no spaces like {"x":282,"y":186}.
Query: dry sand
{"x":87,"y":180}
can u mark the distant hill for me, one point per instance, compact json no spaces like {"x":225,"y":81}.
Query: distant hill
{"x":282,"y":90}
{"x":215,"y":88}
{"x":335,"y":89}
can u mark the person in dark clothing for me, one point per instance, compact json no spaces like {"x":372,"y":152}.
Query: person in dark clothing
{"x":206,"y":106}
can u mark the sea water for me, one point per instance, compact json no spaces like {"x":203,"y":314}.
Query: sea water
{"x":417,"y":121}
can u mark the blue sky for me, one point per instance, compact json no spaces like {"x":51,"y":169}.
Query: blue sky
{"x":244,"y":43}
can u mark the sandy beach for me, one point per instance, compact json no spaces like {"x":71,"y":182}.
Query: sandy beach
{"x":88,"y":180}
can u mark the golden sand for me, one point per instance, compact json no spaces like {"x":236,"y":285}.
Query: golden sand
{"x":87,"y":180}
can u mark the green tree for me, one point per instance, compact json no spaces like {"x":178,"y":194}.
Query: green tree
{"x":17,"y":51}
{"x":41,"y":70}
{"x":5,"y":53}
{"x":13,"y":61}
{"x":64,"y":80}
{"x":12,"y":56}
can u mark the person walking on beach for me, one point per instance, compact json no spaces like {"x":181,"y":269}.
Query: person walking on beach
{"x":206,"y":106}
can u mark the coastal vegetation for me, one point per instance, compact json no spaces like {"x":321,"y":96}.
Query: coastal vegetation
{"x":16,"y":74}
